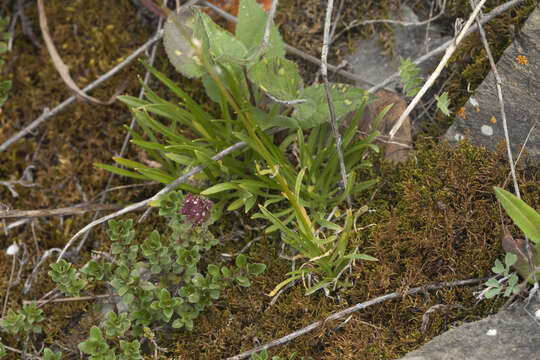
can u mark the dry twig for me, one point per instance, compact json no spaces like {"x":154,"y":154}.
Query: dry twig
{"x":356,"y":23}
{"x":498,"y":84}
{"x":62,"y":69}
{"x":68,"y":299}
{"x":324,"y":73}
{"x":431,"y":80}
{"x":352,"y":309}
{"x":492,"y":14}
{"x":72,"y":210}
{"x":132,"y":123}
{"x":47,"y":114}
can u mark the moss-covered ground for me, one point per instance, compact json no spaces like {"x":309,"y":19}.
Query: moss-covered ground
{"x":433,"y":219}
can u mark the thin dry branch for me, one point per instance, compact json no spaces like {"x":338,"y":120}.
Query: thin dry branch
{"x":72,"y":210}
{"x":352,"y":309}
{"x":431,"y":80}
{"x":146,"y":202}
{"x":68,"y":299}
{"x":62,"y":69}
{"x":6,"y":296}
{"x":356,"y":23}
{"x":492,"y":14}
{"x":132,"y":123}
{"x":498,"y":84}
{"x":47,"y":114}
{"x":333,"y":120}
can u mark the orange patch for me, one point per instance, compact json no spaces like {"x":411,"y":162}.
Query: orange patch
{"x":522,"y":59}
{"x":493,"y":120}
{"x":231,"y":6}
{"x":461,"y":113}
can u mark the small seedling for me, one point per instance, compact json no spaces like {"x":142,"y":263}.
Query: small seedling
{"x":496,"y":287}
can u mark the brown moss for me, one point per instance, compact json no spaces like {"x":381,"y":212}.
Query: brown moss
{"x":437,"y":221}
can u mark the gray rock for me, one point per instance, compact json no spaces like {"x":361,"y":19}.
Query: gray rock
{"x":409,"y":42}
{"x":521,"y":94}
{"x":511,"y":334}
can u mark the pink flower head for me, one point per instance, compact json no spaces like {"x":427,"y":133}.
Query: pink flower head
{"x":196,"y":208}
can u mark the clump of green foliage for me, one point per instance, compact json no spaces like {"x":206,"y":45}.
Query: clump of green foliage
{"x":294,"y":184}
{"x":25,"y":321}
{"x":160,"y":281}
{"x":528,"y":221}
{"x":167,"y":283}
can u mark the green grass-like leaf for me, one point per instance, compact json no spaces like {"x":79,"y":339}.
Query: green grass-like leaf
{"x":524,"y":216}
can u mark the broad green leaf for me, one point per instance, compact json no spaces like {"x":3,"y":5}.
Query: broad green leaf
{"x":524,"y":216}
{"x":251,"y":26}
{"x":276,"y":221}
{"x":298,"y":184}
{"x":315,"y":112}
{"x":510,"y":259}
{"x":363,"y":185}
{"x":180,"y":159}
{"x":241,"y":261}
{"x":132,"y":101}
{"x":149,"y":145}
{"x":157,"y":175}
{"x":217,"y":40}
{"x":266,"y":121}
{"x":275,"y":227}
{"x":492,"y":282}
{"x":179,"y":50}
{"x":256,"y":268}
{"x":492,"y":293}
{"x":278,"y":77}
{"x":498,"y":268}
{"x":236,"y":204}
{"x":329,"y":225}
{"x":250,"y":202}
{"x":129,"y":163}
{"x":243,"y":281}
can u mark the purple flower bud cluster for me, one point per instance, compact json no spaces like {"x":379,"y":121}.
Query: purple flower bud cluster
{"x":196,"y":209}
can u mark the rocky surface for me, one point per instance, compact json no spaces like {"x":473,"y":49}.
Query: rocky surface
{"x":511,"y":334}
{"x":372,"y":65}
{"x":409,"y":42}
{"x":519,"y":69}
